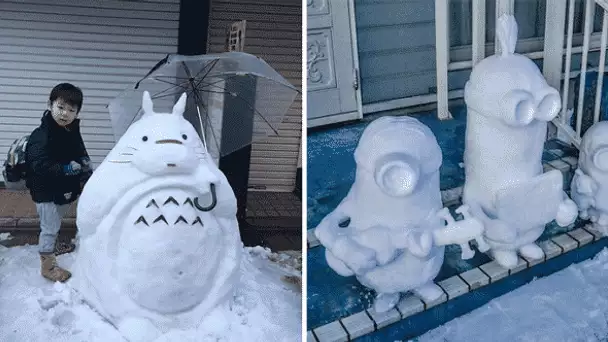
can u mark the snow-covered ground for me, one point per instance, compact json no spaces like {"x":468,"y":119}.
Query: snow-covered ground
{"x":567,"y":306}
{"x":266,"y":308}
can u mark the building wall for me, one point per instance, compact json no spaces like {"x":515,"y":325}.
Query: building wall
{"x":396,"y":48}
{"x":273,"y":33}
{"x":396,"y":41}
{"x":103,"y":47}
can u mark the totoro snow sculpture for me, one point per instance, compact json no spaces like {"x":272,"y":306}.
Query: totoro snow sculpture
{"x":509,"y":104}
{"x":388,"y":231}
{"x":589,"y":187}
{"x":159,"y":240}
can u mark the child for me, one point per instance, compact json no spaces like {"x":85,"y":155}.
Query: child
{"x":57,"y":165}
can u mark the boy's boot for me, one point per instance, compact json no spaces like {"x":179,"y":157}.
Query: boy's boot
{"x":51,"y":271}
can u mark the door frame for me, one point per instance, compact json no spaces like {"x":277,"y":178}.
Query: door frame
{"x":358,"y":114}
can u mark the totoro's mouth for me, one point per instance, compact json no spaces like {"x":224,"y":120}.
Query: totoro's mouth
{"x":169,"y":207}
{"x":166,"y":236}
{"x":161,"y":218}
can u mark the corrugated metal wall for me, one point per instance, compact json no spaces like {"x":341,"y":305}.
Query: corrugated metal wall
{"x":102,"y":47}
{"x":274,"y":33}
{"x":396,"y":41}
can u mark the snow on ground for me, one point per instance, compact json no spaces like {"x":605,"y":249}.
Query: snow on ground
{"x":567,"y":306}
{"x":266,"y":308}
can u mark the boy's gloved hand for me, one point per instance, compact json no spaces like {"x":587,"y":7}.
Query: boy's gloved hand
{"x":87,"y":171}
{"x":86,"y":165}
{"x":72,"y":169}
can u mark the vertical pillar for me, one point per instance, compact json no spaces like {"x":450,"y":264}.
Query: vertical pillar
{"x":553,"y":55}
{"x":237,"y":118}
{"x":193,"y":27}
{"x":298,"y":189}
{"x":442,"y":48}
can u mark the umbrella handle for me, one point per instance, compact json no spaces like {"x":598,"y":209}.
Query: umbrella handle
{"x":154,"y":68}
{"x":213,"y":200}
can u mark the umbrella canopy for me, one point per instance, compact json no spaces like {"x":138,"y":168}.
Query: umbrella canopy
{"x":233,"y":98}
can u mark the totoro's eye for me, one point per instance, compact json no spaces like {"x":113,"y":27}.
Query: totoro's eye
{"x":185,"y":137}
{"x":144,"y":138}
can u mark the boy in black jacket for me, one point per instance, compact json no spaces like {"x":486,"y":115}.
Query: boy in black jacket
{"x":57,"y":165}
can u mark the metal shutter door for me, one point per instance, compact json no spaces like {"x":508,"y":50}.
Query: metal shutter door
{"x":273,"y":33}
{"x":103,"y":47}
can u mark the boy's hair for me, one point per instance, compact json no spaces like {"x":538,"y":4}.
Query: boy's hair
{"x":69,"y":93}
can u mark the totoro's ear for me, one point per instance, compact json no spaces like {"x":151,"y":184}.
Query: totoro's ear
{"x":180,"y":106}
{"x":147,"y":104}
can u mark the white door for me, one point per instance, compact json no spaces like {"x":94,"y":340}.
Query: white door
{"x":332,"y":75}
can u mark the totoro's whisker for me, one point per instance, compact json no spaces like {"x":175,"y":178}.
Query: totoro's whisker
{"x":126,"y":154}
{"x":131,"y":147}
{"x":119,"y":161}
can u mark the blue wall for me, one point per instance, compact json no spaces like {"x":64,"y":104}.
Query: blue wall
{"x":396,"y":42}
{"x":396,"y":48}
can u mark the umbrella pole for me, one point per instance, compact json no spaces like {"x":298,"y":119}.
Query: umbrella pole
{"x":200,"y":120}
{"x":198,"y":110}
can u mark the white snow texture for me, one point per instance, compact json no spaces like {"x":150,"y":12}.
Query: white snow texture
{"x":146,"y":256}
{"x":509,"y":104}
{"x":394,"y":214}
{"x":33,"y":309}
{"x":589,"y":185}
{"x":567,"y":306}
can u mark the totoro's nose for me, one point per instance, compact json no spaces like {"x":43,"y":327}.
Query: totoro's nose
{"x":168,"y":141}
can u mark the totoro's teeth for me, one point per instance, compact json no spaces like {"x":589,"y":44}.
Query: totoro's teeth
{"x":152,"y":203}
{"x":161,"y":218}
{"x":189,"y":201}
{"x":142,"y":220}
{"x":198,"y":220}
{"x":182,"y":219}
{"x":171,"y":200}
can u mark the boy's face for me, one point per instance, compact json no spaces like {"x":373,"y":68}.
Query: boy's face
{"x":62,"y":112}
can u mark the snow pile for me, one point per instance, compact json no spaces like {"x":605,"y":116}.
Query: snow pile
{"x":265,"y":308}
{"x":570,"y":305}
